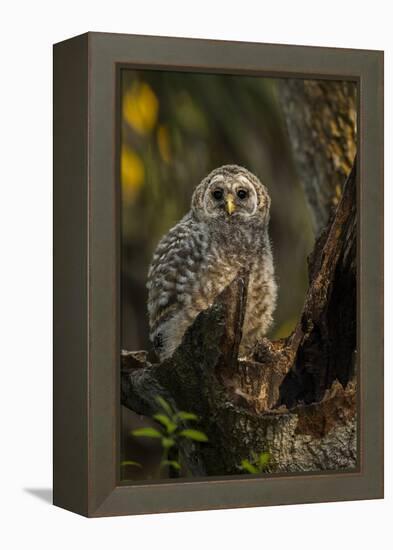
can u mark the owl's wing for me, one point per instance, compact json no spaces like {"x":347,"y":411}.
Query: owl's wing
{"x":174,"y":269}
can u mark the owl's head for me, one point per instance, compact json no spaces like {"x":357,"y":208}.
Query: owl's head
{"x":231,"y":193}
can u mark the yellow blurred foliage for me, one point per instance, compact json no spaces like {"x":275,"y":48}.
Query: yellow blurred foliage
{"x":164,"y":145}
{"x":140,"y":107}
{"x":132,"y":174}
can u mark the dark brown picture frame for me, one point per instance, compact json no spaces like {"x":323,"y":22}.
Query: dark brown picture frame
{"x":86,"y":273}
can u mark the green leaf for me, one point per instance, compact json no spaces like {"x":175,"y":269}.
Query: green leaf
{"x":196,"y":435}
{"x":248,"y":467}
{"x":130,"y":463}
{"x":263,"y":460}
{"x":167,"y":442}
{"x":183,"y":415}
{"x":165,"y":421}
{"x":146,"y":432}
{"x":164,"y":404}
{"x":172,"y":463}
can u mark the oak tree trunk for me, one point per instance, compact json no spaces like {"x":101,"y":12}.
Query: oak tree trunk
{"x":321,"y":122}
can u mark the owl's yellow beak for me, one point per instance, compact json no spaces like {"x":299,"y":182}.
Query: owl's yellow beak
{"x":230,"y":204}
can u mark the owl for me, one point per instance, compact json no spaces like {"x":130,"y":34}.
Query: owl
{"x":225,"y":232}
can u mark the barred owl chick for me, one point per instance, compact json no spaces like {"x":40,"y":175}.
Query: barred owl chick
{"x":225,"y":231}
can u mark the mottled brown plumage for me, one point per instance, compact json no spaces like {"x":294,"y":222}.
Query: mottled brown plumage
{"x":225,"y":231}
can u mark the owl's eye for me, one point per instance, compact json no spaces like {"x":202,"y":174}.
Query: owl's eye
{"x":217,"y":194}
{"x":242,"y":194}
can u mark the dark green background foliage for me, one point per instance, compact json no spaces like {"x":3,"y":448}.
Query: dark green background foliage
{"x":177,"y":127}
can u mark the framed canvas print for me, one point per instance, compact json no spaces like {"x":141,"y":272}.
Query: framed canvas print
{"x":218,"y":274}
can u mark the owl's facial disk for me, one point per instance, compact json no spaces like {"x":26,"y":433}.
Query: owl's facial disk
{"x":230,"y":198}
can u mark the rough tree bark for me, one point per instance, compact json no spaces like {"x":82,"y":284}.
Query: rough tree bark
{"x":321,"y":122}
{"x":296,"y":398}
